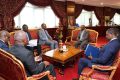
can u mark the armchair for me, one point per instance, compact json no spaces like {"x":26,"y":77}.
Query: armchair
{"x":93,"y":36}
{"x":97,"y":71}
{"x":12,"y":69}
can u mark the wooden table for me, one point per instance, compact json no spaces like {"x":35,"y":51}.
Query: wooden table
{"x":62,"y":58}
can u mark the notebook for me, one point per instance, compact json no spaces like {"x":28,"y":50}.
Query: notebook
{"x":92,"y":51}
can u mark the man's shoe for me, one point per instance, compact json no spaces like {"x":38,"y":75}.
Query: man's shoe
{"x":75,"y":79}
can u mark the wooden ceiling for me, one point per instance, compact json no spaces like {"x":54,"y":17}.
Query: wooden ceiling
{"x":102,"y":3}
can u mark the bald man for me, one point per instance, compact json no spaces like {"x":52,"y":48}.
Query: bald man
{"x":4,"y":38}
{"x":27,"y":58}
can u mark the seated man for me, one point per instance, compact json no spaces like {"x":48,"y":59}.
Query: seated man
{"x":38,"y":47}
{"x":27,"y":58}
{"x":106,"y":55}
{"x":45,"y":38}
{"x":4,"y":38}
{"x":83,"y":38}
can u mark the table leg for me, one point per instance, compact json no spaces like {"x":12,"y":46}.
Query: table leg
{"x":61,"y":70}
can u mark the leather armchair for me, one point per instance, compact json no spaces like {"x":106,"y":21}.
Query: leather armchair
{"x":12,"y":69}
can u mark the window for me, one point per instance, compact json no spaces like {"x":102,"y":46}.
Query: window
{"x":34,"y":16}
{"x":84,"y":17}
{"x":116,"y":19}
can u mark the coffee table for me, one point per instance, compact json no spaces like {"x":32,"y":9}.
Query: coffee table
{"x":62,"y":58}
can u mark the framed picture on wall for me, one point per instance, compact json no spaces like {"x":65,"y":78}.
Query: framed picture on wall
{"x":71,"y":21}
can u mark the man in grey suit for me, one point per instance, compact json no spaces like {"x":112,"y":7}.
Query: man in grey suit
{"x":27,"y":58}
{"x":45,"y":38}
{"x":83,"y":38}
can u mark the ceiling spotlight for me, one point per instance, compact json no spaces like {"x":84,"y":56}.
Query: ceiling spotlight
{"x":101,"y":3}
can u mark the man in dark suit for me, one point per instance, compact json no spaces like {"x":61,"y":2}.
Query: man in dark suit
{"x":4,"y":38}
{"x":27,"y":58}
{"x":38,"y":47}
{"x":45,"y":38}
{"x":106,"y":55}
{"x":83,"y":38}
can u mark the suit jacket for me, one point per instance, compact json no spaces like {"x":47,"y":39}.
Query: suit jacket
{"x":108,"y":53}
{"x":27,"y":58}
{"x":29,"y":35}
{"x":85,"y":35}
{"x":43,"y":36}
{"x":4,"y":46}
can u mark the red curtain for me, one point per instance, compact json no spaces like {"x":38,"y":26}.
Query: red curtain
{"x":99,"y":14}
{"x":19,"y":6}
{"x":88,"y":8}
{"x":59,"y":9}
{"x":118,"y":11}
{"x":10,"y":8}
{"x":1,"y":22}
{"x":78,"y":10}
{"x":109,"y":12}
{"x":40,"y":2}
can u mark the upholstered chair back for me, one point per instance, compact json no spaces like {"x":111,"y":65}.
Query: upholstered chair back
{"x":93,"y":36}
{"x":10,"y":67}
{"x":75,"y":34}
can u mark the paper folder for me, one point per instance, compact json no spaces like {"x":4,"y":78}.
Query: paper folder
{"x":92,"y":51}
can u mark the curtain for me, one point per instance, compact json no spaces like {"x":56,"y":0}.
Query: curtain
{"x":40,"y":2}
{"x":78,"y":10}
{"x":1,"y":22}
{"x":59,"y":9}
{"x":10,"y":8}
{"x":109,"y":12}
{"x":117,"y":11}
{"x":88,"y":8}
{"x":99,"y":14}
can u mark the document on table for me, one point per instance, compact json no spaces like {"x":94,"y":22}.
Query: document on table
{"x":50,"y":53}
{"x":32,"y":43}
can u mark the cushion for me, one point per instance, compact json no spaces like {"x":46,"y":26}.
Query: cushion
{"x":100,"y":75}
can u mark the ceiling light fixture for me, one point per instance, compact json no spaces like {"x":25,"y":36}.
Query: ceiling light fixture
{"x":101,"y":3}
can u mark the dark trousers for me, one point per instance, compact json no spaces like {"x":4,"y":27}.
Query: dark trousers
{"x":77,"y":44}
{"x":38,"y":47}
{"x":51,"y":69}
{"x":82,"y":44}
{"x":83,"y":62}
